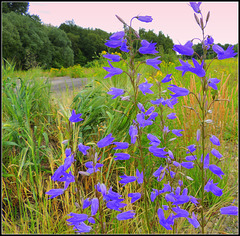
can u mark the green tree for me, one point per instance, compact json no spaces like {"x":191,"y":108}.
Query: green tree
{"x":17,"y":7}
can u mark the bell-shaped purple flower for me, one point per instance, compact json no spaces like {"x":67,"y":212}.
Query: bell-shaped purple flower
{"x":145,"y":87}
{"x":195,"y":6}
{"x":77,"y":218}
{"x":147,"y":48}
{"x":86,"y":203}
{"x":171,"y":116}
{"x":212,"y":83}
{"x":229,"y":53}
{"x":83,"y":148}
{"x":114,"y":58}
{"x":185,"y":67}
{"x":115,"y":205}
{"x":177,"y":132}
{"x":154,"y":62}
{"x":158,"y":152}
{"x":188,"y":165}
{"x":116,"y":92}
{"x":167,"y":78}
{"x":145,"y":19}
{"x":178,"y":91}
{"x":210,"y":186}
{"x":112,"y":71}
{"x":82,"y":228}
{"x":120,"y":145}
{"x":185,"y":49}
{"x":166,"y":223}
{"x":215,"y":140}
{"x":124,"y":47}
{"x":154,"y":141}
{"x":139,"y":176}
{"x":229,"y":210}
{"x":193,"y":220}
{"x":133,"y":133}
{"x":134,"y":196}
{"x":216,"y":153}
{"x":105,"y":141}
{"x":121,"y":156}
{"x":117,"y":36}
{"x":75,"y":117}
{"x":125,"y":215}
{"x":198,"y":69}
{"x":127,"y":179}
{"x":216,"y":170}
{"x":159,"y":173}
{"x":58,"y":173}
{"x":94,"y":206}
{"x":55,"y":192}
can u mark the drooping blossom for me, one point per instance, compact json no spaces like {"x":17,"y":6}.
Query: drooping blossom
{"x":154,"y":62}
{"x":145,"y":87}
{"x":116,"y":92}
{"x":75,"y":117}
{"x":185,"y":49}
{"x":147,"y":48}
{"x":229,"y":53}
{"x":112,"y":70}
{"x":105,"y":141}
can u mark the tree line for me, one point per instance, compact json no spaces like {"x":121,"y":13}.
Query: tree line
{"x":29,"y":43}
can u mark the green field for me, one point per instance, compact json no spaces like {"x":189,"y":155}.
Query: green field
{"x":35,"y":121}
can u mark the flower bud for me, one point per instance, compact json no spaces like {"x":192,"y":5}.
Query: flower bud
{"x":196,"y":18}
{"x":208,"y":15}
{"x":138,"y":77}
{"x":201,"y":23}
{"x":119,"y":18}
{"x":126,"y":98}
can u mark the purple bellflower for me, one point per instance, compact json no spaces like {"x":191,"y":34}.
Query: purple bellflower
{"x":55,"y":192}
{"x":67,"y":178}
{"x":114,"y":58}
{"x":145,"y":19}
{"x":159,"y":173}
{"x":198,"y":69}
{"x":188,"y":165}
{"x":177,"y":132}
{"x":91,"y":168}
{"x":133,"y":133}
{"x":139,"y":176}
{"x":105,"y":141}
{"x":158,"y":152}
{"x":215,"y":140}
{"x":68,"y":152}
{"x":185,"y":67}
{"x":154,"y":141}
{"x":154,"y":62}
{"x":216,"y":153}
{"x":166,"y":223}
{"x":127,"y":179}
{"x":229,"y":210}
{"x":112,"y":71}
{"x":185,"y":49}
{"x":116,"y":92}
{"x":154,"y":194}
{"x":172,"y":116}
{"x":94,"y":206}
{"x":58,"y":173}
{"x":147,"y":48}
{"x":212,"y":83}
{"x":195,"y":6}
{"x":193,"y":220}
{"x":142,"y":122}
{"x":77,"y":218}
{"x":86,"y":203}
{"x":115,"y":205}
{"x":134,"y":196}
{"x":167,"y":78}
{"x":75,"y":117}
{"x":216,"y":170}
{"x":229,"y":53}
{"x":83,"y":148}
{"x":82,"y":228}
{"x":121,"y":156}
{"x":125,"y":215}
{"x":178,"y":91}
{"x":120,"y":145}
{"x":210,"y":186}
{"x":117,"y":36}
{"x":124,"y":47}
{"x":206,"y":161}
{"x":145,"y":87}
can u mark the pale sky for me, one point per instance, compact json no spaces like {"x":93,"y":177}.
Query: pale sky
{"x":175,"y":19}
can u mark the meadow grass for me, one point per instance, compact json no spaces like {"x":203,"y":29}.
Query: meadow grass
{"x":35,"y":122}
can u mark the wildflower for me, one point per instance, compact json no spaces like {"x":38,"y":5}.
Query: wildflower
{"x":158,"y":152}
{"x":83,"y":148}
{"x":105,"y":141}
{"x":166,"y":223}
{"x":185,"y":49}
{"x":166,"y":130}
{"x":120,"y":145}
{"x":154,"y":194}
{"x":216,"y":170}
{"x":111,"y":195}
{"x":185,"y":67}
{"x":178,"y":91}
{"x":180,"y":182}
{"x":154,"y":141}
{"x":141,"y":107}
{"x":127,"y":179}
{"x":208,"y":41}
{"x":147,"y":48}
{"x":124,"y":47}
{"x":134,"y":196}
{"x":112,"y":71}
{"x":58,"y":173}
{"x":86,"y":203}
{"x":133,"y":133}
{"x":55,"y":192}
{"x":146,"y":19}
{"x":114,"y":58}
{"x":82,"y":228}
{"x":171,"y":116}
{"x":139,"y":176}
{"x":121,"y":156}
{"x":117,"y":36}
{"x":212,"y":83}
{"x":167,"y":78}
{"x":216,"y":153}
{"x":154,"y":62}
{"x":91,"y":220}
{"x":68,"y":152}
{"x":198,"y":69}
{"x":75,"y":117}
{"x":77,"y":218}
{"x":176,"y":163}
{"x":193,"y":220}
{"x":92,"y":168}
{"x":224,"y":54}
{"x":116,"y":92}
{"x":190,"y":158}
{"x":145,"y":87}
{"x":115,"y":205}
{"x":159,"y":173}
{"x":142,"y":122}
{"x":67,"y":178}
{"x":158,"y":101}
{"x":177,"y":132}
{"x":165,"y":207}
{"x":113,"y":43}
{"x":187,"y":165}
{"x":191,"y":148}
{"x":206,"y":161}
{"x":180,"y":212}
{"x":210,"y":186}
{"x":195,"y":6}
{"x":94,"y":206}
{"x":125,"y":215}
{"x":230,"y":210}
{"x":215,"y":140}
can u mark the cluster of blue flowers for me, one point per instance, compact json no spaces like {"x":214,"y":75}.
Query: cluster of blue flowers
{"x":175,"y":197}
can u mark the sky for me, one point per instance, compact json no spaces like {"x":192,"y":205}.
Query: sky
{"x":175,"y":19}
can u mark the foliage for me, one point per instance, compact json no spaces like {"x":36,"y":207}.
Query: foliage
{"x":17,"y":7}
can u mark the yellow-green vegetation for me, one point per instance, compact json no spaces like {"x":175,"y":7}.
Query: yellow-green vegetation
{"x":35,"y":122}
